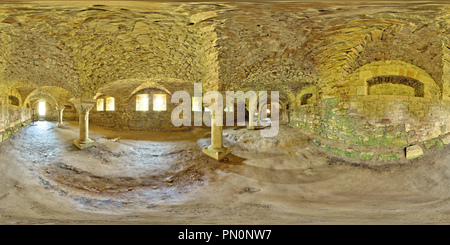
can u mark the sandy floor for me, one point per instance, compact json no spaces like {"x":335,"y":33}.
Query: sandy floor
{"x":163,"y":178}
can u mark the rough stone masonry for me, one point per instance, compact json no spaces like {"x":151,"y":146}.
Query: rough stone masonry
{"x":373,"y":78}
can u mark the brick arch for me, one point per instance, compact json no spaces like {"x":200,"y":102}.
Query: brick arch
{"x":358,"y":80}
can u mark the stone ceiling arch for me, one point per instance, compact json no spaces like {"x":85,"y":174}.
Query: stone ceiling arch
{"x":307,"y":89}
{"x":52,"y":104}
{"x":357,"y":81}
{"x":41,"y":95}
{"x":34,"y":59}
{"x":57,"y":95}
{"x":150,"y":84}
{"x":15,"y":94}
{"x":126,"y":88}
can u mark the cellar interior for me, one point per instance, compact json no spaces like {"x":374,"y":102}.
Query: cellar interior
{"x":106,"y":114}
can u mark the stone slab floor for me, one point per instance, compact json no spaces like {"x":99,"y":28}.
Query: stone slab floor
{"x":163,"y":178}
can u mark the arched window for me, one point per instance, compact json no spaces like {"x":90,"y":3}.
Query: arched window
{"x":105,"y":103}
{"x":306,"y":99}
{"x":100,"y":104}
{"x":109,"y":104}
{"x":41,"y":108}
{"x":159,"y":102}
{"x":151,"y":98}
{"x":142,"y":102}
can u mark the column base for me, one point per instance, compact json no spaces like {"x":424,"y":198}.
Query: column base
{"x":60,"y":125}
{"x":217,"y":154}
{"x":83,"y":144}
{"x":251,"y":127}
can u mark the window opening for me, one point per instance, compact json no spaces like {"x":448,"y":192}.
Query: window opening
{"x":13,"y":100}
{"x":110,"y":104}
{"x":142,"y":102}
{"x":41,"y":108}
{"x":305,"y":99}
{"x":159,"y":102}
{"x":100,"y":105}
{"x":196,"y":104}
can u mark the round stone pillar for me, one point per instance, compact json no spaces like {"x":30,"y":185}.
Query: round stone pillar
{"x":60,"y":110}
{"x":216,"y":150}
{"x":84,"y":106}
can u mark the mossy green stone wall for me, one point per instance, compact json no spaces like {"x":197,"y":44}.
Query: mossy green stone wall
{"x":392,"y":122}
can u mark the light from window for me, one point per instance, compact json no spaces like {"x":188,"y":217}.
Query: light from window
{"x":159,"y":102}
{"x":110,"y":104}
{"x":196,"y":104}
{"x":142,"y":102}
{"x":100,"y":105}
{"x":41,"y":108}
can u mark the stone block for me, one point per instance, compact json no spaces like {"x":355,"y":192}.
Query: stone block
{"x":217,"y":154}
{"x":399,"y":142}
{"x":413,"y":152}
{"x":385,"y":157}
{"x":446,"y":140}
{"x":83,"y":144}
{"x":349,"y":153}
{"x":433,"y":133}
{"x":366,"y":155}
{"x":361,"y":90}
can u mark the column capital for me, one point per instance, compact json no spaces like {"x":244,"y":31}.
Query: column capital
{"x":83,"y":104}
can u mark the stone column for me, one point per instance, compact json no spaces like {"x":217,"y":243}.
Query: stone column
{"x":216,"y":150}
{"x":252,"y":108}
{"x":60,"y":110}
{"x":251,"y":114}
{"x":84,"y":106}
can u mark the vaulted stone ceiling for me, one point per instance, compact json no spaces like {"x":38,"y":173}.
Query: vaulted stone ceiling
{"x":84,"y":48}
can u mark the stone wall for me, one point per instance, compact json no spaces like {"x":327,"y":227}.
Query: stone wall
{"x":375,"y":121}
{"x":12,"y":119}
{"x":384,"y":104}
{"x":126,"y":117}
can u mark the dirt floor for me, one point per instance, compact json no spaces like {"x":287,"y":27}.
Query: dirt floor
{"x":163,"y":178}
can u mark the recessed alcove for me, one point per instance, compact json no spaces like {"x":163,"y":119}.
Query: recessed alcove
{"x":13,"y":100}
{"x":395,"y":85}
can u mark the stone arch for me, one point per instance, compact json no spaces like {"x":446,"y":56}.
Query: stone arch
{"x":150,"y":85}
{"x":50,"y":102}
{"x":307,"y":95}
{"x":52,"y":94}
{"x":13,"y":100}
{"x":105,"y":102}
{"x":126,"y":88}
{"x":46,"y":64}
{"x":267,"y":105}
{"x":39,"y":95}
{"x":359,"y":81}
{"x":395,"y":85}
{"x":306,"y":99}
